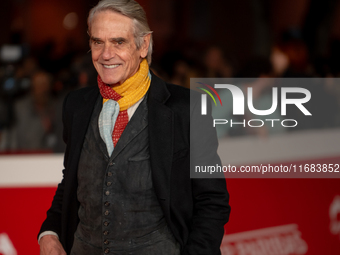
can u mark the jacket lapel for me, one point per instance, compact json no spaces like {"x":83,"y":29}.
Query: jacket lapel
{"x":136,"y":125}
{"x":81,"y":119}
{"x":161,"y":139}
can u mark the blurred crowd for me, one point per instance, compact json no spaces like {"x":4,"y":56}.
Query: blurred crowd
{"x":32,"y":89}
{"x":31,"y":98}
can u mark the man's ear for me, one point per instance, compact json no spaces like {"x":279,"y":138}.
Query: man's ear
{"x":145,"y":45}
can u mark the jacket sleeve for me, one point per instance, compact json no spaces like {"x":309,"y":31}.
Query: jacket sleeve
{"x":210,"y":195}
{"x":53,"y":215}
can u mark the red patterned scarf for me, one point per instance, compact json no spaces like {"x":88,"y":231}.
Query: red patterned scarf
{"x":122,"y":120}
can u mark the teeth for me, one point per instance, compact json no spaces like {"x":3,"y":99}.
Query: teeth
{"x":110,"y":66}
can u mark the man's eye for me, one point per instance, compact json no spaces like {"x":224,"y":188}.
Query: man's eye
{"x":120,"y":42}
{"x":96,"y":42}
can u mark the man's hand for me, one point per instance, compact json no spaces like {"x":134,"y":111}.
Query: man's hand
{"x":50,"y":245}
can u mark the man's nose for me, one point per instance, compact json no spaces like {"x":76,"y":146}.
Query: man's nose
{"x":108,"y":51}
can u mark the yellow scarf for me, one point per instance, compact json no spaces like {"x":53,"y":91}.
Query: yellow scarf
{"x":134,"y":88}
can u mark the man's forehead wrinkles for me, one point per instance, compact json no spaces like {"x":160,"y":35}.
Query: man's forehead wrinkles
{"x":115,"y":39}
{"x":111,"y":32}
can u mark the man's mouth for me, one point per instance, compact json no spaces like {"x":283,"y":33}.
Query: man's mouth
{"x":110,"y":66}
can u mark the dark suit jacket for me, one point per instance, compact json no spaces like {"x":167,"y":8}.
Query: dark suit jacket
{"x":195,"y":209}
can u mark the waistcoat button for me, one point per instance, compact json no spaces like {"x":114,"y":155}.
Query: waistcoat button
{"x":108,"y":183}
{"x":106,"y":212}
{"x":107,"y":192}
{"x":107,"y":203}
{"x":105,"y":233}
{"x":107,"y":250}
{"x":106,"y":242}
{"x":106,"y":223}
{"x":109,"y":174}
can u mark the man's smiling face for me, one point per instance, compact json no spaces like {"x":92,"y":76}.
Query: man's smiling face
{"x":114,"y":52}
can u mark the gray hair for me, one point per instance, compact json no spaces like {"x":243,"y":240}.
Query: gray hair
{"x":134,"y":11}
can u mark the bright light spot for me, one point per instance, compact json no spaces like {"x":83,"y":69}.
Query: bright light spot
{"x":70,"y":21}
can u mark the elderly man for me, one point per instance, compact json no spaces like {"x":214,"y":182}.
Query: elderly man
{"x":126,"y":187}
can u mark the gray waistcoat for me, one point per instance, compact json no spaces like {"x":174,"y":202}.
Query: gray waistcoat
{"x":119,"y":212}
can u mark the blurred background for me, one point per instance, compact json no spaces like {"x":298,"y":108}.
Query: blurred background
{"x":44,"y":54}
